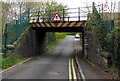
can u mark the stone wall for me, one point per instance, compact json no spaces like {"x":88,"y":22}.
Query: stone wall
{"x":30,"y":44}
{"x":93,"y":53}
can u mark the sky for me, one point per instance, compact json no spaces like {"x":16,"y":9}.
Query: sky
{"x":72,"y":3}
{"x":81,"y":3}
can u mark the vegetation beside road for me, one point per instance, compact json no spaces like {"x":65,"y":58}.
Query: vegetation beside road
{"x":10,"y":61}
{"x":107,"y":38}
{"x":58,"y":37}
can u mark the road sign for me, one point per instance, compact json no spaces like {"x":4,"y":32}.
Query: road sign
{"x":57,"y":17}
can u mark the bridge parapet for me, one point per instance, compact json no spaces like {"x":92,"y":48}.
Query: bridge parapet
{"x":69,"y":14}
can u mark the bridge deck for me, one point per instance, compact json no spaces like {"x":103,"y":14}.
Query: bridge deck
{"x":59,"y":24}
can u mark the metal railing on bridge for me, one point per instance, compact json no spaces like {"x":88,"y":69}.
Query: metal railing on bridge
{"x":69,"y":14}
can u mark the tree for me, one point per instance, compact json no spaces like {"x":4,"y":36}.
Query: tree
{"x":45,"y":9}
{"x":52,"y":8}
{"x":5,"y":8}
{"x":13,"y":10}
{"x":106,"y":9}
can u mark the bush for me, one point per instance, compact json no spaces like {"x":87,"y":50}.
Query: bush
{"x":60,"y":36}
{"x":113,"y":45}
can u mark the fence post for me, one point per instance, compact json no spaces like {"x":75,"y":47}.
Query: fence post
{"x":83,"y":42}
{"x":68,"y":18}
{"x":50,"y":16}
{"x":79,"y":13}
{"x":28,"y":15}
{"x":63,"y":14}
{"x":16,"y":30}
{"x":5,"y":39}
{"x":38,"y":16}
{"x":113,"y":24}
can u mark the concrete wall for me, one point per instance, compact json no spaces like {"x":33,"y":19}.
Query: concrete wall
{"x":30,"y":44}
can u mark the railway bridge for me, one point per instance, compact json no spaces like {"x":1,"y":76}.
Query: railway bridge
{"x":62,"y":20}
{"x":33,"y":43}
{"x":40,"y":22}
{"x":61,"y":62}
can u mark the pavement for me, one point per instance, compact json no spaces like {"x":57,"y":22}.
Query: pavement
{"x":53,"y":64}
{"x":88,"y":71}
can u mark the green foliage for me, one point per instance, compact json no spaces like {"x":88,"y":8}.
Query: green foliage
{"x":50,"y":8}
{"x":113,"y":39}
{"x":99,"y":28}
{"x":58,"y":36}
{"x":113,"y":46}
{"x":107,"y":37}
{"x":47,"y":9}
{"x":10,"y":61}
{"x":54,"y":6}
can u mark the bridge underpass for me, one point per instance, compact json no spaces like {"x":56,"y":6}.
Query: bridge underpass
{"x":66,"y":26}
{"x":51,"y":65}
{"x":59,"y":62}
{"x":54,"y":64}
{"x":67,"y":22}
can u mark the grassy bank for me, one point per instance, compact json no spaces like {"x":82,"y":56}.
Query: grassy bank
{"x":10,"y":61}
{"x":59,"y":36}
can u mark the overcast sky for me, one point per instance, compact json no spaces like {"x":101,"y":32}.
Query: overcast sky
{"x":73,"y":3}
{"x":70,"y":3}
{"x":81,"y":3}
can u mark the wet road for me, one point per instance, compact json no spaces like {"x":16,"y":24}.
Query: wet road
{"x":51,"y":65}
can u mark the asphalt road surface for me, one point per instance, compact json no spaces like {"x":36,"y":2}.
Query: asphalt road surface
{"x":51,"y":65}
{"x":54,"y":64}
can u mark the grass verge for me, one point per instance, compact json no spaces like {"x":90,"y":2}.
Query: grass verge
{"x":58,"y":36}
{"x":10,"y":61}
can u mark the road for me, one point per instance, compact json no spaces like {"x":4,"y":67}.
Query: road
{"x":52,"y":65}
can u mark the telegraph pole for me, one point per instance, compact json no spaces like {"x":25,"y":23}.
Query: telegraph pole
{"x":119,"y":13}
{"x":20,"y":12}
{"x":102,"y":9}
